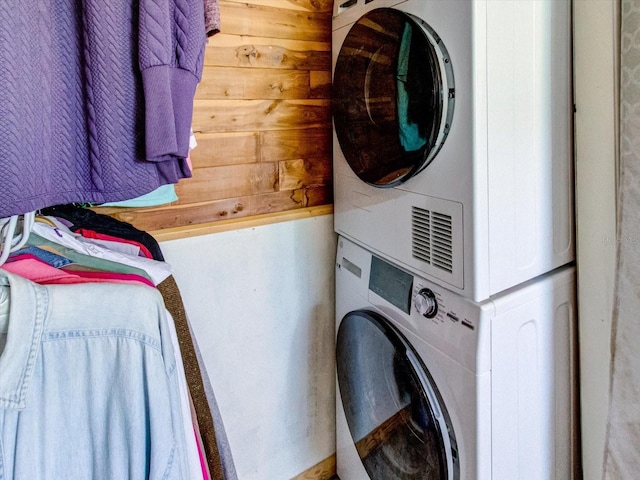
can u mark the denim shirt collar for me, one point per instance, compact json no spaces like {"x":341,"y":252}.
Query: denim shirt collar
{"x":28,"y":305}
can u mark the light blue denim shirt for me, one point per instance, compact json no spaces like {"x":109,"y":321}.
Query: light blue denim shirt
{"x":88,"y":384}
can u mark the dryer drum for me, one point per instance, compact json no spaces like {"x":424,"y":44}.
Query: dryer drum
{"x":395,"y":414}
{"x":393,"y":96}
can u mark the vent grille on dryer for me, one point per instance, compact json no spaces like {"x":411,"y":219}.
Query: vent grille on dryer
{"x":432,"y":238}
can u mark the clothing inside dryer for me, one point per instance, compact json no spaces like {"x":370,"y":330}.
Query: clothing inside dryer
{"x":388,"y":97}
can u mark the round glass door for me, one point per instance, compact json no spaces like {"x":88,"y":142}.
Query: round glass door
{"x":395,"y":414}
{"x":393,"y":96}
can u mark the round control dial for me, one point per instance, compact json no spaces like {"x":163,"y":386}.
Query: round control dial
{"x":425,"y":303}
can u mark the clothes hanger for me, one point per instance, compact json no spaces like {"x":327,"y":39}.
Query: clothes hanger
{"x":45,"y":220}
{"x":11,"y":239}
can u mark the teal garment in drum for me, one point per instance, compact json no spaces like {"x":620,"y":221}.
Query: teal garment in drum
{"x":409,"y":133}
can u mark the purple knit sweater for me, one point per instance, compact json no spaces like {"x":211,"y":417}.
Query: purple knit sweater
{"x":96,"y":98}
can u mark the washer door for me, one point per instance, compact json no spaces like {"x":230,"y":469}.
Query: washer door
{"x":396,"y":416}
{"x":393,"y":96}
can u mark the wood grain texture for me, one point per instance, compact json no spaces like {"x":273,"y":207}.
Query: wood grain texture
{"x":262,"y":119}
{"x":206,"y":228}
{"x":302,"y":174}
{"x":219,"y":149}
{"x":259,"y":52}
{"x":380,"y":435}
{"x":325,"y":6}
{"x":180,"y":215}
{"x":211,"y":116}
{"x":320,"y":84}
{"x":323,"y":470}
{"x":215,"y":183}
{"x":291,"y":144}
{"x":267,"y":21}
{"x":244,"y":83}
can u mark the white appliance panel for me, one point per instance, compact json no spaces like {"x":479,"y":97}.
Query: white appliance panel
{"x":504,"y":368}
{"x":507,"y":160}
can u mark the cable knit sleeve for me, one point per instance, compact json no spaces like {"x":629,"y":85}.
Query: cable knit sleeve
{"x":211,"y":17}
{"x":171,"y":53}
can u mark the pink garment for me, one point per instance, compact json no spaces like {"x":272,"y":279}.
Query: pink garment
{"x":112,"y":277}
{"x":203,"y":462}
{"x":86,"y":233}
{"x":206,"y":474}
{"x":211,"y":17}
{"x":32,"y":268}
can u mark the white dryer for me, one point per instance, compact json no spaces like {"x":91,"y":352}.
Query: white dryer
{"x":431,"y":385}
{"x":452,"y":137}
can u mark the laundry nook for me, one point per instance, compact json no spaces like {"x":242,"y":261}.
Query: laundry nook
{"x":319,"y":239}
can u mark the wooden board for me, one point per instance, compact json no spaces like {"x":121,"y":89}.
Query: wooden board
{"x":257,"y":115}
{"x":219,"y":149}
{"x":225,"y":50}
{"x":246,"y":83}
{"x":305,"y":5}
{"x":179,"y":215}
{"x":262,"y":118}
{"x":215,"y":183}
{"x":207,"y":228}
{"x":324,"y":470}
{"x":303,"y":174}
{"x":271,"y":21}
{"x":291,"y":144}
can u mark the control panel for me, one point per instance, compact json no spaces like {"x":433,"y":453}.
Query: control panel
{"x":415,"y":296}
{"x":433,"y":304}
{"x":425,"y":303}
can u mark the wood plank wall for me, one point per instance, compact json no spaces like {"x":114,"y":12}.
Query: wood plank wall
{"x":261,"y":118}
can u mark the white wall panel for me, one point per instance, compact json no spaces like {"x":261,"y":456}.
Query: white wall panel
{"x":261,"y":302}
{"x":595,"y":65}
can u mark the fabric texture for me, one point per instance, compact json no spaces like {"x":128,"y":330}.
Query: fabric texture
{"x":73,"y":115}
{"x":52,"y":259}
{"x":88,"y":365}
{"x":39,"y":271}
{"x":81,"y":217}
{"x":211,"y":17}
{"x":171,"y":55}
{"x":226,"y":457}
{"x":156,"y":270}
{"x":160,"y":196}
{"x":192,"y":448}
{"x":79,"y":259}
{"x":86,"y":233}
{"x":622,"y":456}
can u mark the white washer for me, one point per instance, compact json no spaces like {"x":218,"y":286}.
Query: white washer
{"x":460,"y":391}
{"x":452,"y":137}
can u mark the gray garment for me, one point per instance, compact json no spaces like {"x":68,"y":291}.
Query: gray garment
{"x":224,"y":448}
{"x":204,"y":403}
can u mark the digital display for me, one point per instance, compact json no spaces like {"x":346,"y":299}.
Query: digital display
{"x":391,"y":283}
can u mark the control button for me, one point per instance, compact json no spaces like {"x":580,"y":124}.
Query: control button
{"x":425,"y":303}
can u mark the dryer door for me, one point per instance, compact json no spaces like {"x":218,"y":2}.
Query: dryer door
{"x":393,"y":96}
{"x":397,"y":419}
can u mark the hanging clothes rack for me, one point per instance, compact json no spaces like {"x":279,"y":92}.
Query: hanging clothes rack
{"x":13,"y":238}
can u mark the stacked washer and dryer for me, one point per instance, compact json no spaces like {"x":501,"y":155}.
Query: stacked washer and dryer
{"x":455,"y":304}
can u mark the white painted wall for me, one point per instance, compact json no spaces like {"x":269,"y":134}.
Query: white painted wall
{"x":261,"y":302}
{"x":595,"y":66}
